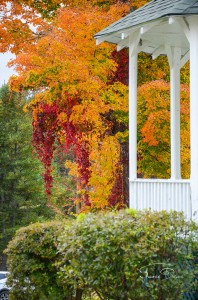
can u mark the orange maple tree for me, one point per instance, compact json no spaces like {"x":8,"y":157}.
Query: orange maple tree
{"x":23,"y":22}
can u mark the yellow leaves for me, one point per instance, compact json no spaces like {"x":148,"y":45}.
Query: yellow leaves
{"x":88,"y":115}
{"x":104,"y":157}
{"x":116,"y":96}
{"x":116,"y":11}
{"x":62,"y":117}
{"x":138,"y":3}
{"x":150,"y":70}
{"x":185,"y":130}
{"x":73,"y":169}
{"x":122,"y":136}
{"x":16,"y":83}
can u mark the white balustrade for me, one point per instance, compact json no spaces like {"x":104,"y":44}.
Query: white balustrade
{"x":161,"y":194}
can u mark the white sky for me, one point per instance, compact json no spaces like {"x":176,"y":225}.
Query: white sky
{"x":5,"y":72}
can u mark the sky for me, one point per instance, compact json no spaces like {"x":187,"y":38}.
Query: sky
{"x":5,"y":72}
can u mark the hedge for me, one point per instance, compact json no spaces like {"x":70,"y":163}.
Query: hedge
{"x":116,"y":255}
{"x":31,"y":262}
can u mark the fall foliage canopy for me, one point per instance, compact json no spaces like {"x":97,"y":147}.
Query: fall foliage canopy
{"x":79,"y":95}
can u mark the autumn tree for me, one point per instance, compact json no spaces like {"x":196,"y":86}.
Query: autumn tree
{"x":80,"y":92}
{"x":71,"y":76}
{"x":17,"y":32}
{"x":23,"y":23}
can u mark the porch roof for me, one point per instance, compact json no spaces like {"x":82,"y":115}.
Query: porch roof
{"x":153,"y":16}
{"x":154,"y":10}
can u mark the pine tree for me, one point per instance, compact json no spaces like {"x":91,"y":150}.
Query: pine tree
{"x":22,"y":197}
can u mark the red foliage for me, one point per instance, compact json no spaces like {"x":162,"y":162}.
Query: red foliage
{"x":44,"y":136}
{"x":118,"y":196}
{"x":73,"y":137}
{"x":122,"y":72}
{"x":46,"y":128}
{"x":116,"y":199}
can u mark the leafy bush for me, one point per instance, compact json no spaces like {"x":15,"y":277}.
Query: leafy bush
{"x":129,"y":255}
{"x":31,"y":257}
{"x":116,"y":255}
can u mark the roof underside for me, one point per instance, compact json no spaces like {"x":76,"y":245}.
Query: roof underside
{"x":154,"y":14}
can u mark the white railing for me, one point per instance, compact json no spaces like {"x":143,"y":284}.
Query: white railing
{"x":160,"y":194}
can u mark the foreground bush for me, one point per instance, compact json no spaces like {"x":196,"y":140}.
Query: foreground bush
{"x":122,"y":255}
{"x":129,"y":255}
{"x":31,"y":257}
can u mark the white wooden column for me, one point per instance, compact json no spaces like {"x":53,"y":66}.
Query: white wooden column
{"x":175,"y":113}
{"x":193,"y":23}
{"x":132,"y":122}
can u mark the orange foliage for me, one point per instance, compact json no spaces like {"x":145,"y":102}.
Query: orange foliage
{"x":67,"y":62}
{"x":58,"y":57}
{"x":154,"y":129}
{"x":20,"y":26}
{"x":24,"y":22}
{"x":139,"y":3}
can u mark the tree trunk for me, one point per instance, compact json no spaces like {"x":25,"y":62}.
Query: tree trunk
{"x":79,"y":294}
{"x":125,"y":163}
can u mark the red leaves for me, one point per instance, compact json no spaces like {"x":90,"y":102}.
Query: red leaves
{"x":122,"y":72}
{"x":44,"y":137}
{"x":46,"y":134}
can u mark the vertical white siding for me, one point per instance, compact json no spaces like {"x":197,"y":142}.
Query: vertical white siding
{"x":161,"y":195}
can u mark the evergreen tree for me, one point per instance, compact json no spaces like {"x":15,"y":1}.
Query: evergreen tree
{"x":22,"y":197}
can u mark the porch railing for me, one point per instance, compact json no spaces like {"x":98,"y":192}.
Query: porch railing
{"x":160,"y":194}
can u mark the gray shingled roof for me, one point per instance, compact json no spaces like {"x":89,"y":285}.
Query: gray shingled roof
{"x":154,"y":10}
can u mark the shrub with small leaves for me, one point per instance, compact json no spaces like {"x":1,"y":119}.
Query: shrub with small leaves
{"x":31,"y":257}
{"x":130,"y":255}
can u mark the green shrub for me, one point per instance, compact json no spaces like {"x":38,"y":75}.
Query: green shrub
{"x":31,"y":257}
{"x":117,"y":255}
{"x":129,"y":255}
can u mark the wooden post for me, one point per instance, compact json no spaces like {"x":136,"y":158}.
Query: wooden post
{"x":132,"y":123}
{"x":193,"y":24}
{"x":175,"y":113}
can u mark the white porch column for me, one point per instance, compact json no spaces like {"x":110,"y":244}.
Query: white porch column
{"x":175,"y":113}
{"x":132,"y":123}
{"x":193,"y":23}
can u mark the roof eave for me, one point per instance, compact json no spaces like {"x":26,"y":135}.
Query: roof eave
{"x":105,"y":37}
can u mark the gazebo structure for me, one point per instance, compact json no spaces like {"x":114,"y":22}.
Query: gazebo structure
{"x":162,"y":27}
